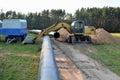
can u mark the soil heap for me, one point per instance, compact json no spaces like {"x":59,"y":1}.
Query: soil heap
{"x":102,"y":36}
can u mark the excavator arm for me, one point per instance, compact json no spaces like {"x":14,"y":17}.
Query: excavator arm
{"x":54,"y":27}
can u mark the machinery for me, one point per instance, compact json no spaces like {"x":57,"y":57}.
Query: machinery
{"x":55,"y":27}
{"x":77,"y":31}
{"x":80,"y":32}
{"x":14,"y":30}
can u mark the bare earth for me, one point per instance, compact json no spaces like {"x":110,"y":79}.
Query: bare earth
{"x":74,"y":65}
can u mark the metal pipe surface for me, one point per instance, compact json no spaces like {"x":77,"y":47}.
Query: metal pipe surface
{"x":48,"y":69}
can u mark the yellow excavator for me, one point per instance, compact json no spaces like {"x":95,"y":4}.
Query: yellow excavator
{"x":77,"y":31}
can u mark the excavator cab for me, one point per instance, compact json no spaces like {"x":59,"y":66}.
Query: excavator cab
{"x":77,"y":26}
{"x":81,"y":32}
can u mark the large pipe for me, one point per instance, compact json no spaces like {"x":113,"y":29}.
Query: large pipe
{"x":56,"y":35}
{"x":48,"y":69}
{"x":62,"y":34}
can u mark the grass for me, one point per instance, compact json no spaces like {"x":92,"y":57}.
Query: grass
{"x":18,"y":61}
{"x":106,"y":54}
{"x":116,"y":34}
{"x":32,"y":35}
{"x":109,"y":55}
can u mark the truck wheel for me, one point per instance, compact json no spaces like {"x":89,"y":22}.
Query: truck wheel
{"x":6,"y":38}
{"x":19,"y":39}
{"x":22,"y":38}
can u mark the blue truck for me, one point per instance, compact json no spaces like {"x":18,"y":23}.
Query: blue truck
{"x":13,"y":29}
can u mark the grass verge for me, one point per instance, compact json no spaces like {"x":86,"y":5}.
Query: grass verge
{"x":107,"y":54}
{"x":18,"y":61}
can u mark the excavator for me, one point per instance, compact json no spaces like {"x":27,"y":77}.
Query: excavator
{"x":77,"y":31}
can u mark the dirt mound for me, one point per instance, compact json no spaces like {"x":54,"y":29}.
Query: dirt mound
{"x":102,"y":36}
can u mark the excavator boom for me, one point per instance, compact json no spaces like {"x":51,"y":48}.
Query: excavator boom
{"x":54,"y":27}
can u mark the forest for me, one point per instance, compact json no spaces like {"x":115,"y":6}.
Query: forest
{"x":106,"y":17}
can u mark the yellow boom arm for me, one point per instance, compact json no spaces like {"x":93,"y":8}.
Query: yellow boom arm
{"x":54,"y":27}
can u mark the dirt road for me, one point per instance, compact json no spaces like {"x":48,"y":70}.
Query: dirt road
{"x":74,"y":65}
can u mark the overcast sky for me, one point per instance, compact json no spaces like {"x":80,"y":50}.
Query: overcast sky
{"x":70,"y":6}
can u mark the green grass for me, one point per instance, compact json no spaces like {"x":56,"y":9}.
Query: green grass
{"x":32,"y":35}
{"x":106,"y":54}
{"x":116,"y":35}
{"x":18,"y":61}
{"x":109,"y":55}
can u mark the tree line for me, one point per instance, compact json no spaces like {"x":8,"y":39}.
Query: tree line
{"x":106,"y":17}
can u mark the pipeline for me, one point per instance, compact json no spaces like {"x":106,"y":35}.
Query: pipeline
{"x":62,"y":34}
{"x":56,"y":35}
{"x":47,"y":69}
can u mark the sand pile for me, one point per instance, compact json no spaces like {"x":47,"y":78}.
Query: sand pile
{"x":102,"y":36}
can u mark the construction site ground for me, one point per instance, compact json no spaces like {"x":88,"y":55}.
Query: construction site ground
{"x":76,"y":65}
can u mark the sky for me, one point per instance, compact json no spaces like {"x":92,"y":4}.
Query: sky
{"x":70,"y":6}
